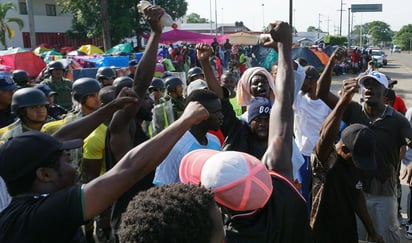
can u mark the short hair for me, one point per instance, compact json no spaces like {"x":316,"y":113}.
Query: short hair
{"x":202,"y":96}
{"x":169,"y":213}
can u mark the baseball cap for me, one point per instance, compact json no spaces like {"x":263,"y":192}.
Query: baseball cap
{"x":6,"y":82}
{"x":361,"y":142}
{"x":238,"y":180}
{"x":197,"y":84}
{"x":311,"y":72}
{"x":46,"y":89}
{"x":25,"y":153}
{"x":258,"y":106}
{"x":380,"y":77}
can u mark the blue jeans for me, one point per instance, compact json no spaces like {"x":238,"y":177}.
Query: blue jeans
{"x":305,"y":178}
{"x":383,"y":211}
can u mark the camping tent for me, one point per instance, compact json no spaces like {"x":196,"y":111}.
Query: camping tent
{"x":126,"y":48}
{"x":176,"y":35}
{"x":308,"y":55}
{"x":243,"y":38}
{"x":323,"y":57}
{"x":26,"y":61}
{"x":90,"y":49}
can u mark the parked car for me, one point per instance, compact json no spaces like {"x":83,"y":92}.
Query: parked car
{"x":397,"y":49}
{"x":379,"y":57}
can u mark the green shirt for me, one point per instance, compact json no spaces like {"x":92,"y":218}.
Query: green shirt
{"x":63,"y":89}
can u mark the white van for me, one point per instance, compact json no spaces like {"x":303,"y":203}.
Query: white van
{"x":397,"y":49}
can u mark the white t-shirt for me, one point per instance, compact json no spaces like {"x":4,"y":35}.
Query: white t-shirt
{"x":309,"y":117}
{"x":168,"y":171}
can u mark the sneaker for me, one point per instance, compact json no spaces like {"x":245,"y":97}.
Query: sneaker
{"x":408,"y":234}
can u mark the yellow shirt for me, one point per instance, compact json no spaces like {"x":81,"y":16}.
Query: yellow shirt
{"x":94,"y":144}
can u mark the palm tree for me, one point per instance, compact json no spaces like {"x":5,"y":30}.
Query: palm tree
{"x":4,"y":23}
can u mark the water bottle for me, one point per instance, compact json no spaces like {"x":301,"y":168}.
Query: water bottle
{"x":165,"y":18}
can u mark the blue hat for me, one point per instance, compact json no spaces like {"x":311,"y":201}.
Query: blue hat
{"x":6,"y":82}
{"x":46,"y":89}
{"x":258,"y":106}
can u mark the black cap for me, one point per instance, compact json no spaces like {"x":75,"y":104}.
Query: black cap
{"x":361,"y":142}
{"x":25,"y":153}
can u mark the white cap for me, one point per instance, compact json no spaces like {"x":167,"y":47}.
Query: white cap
{"x":380,"y":77}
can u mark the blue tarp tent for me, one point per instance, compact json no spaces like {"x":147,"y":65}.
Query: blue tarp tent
{"x":309,"y":56}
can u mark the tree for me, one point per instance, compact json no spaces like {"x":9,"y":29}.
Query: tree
{"x":5,"y":27}
{"x":380,"y":33}
{"x":359,"y":33}
{"x":195,"y":18}
{"x":313,"y":29}
{"x":403,"y":37}
{"x":123,"y":17}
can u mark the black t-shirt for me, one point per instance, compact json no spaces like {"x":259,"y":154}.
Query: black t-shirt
{"x":238,"y":136}
{"x":336,"y":202}
{"x":54,"y":217}
{"x":283,"y":219}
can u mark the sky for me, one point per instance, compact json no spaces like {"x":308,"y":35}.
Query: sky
{"x":323,"y":13}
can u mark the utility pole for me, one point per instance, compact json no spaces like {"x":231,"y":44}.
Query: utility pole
{"x":328,"y":20}
{"x":319,"y":24}
{"x":341,"y":10}
{"x":291,"y":14}
{"x":32,"y":30}
{"x":349,"y":30}
{"x":216,"y":17}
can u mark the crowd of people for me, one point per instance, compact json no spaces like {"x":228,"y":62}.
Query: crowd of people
{"x":230,"y":154}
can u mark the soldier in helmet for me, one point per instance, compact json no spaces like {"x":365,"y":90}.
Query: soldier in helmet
{"x":30,"y":106}
{"x":21,"y":78}
{"x":194,"y":73}
{"x":56,"y":111}
{"x":156,"y":90}
{"x":174,"y":88}
{"x":59,"y":84}
{"x":105,"y":75}
{"x":85,"y":93}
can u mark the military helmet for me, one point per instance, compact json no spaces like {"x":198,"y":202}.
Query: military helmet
{"x":20,"y":76}
{"x":55,"y":65}
{"x":157,"y":83}
{"x":27,"y":97}
{"x":121,"y":82}
{"x":83,"y":87}
{"x":172,"y":82}
{"x":193,"y":72}
{"x":105,"y":73}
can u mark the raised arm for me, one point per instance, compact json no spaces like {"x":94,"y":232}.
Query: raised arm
{"x":279,"y":152}
{"x":203,"y":52}
{"x":121,"y":132}
{"x":146,"y":67}
{"x":323,"y":84}
{"x":81,"y":128}
{"x":138,"y":162}
{"x":331,"y":125}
